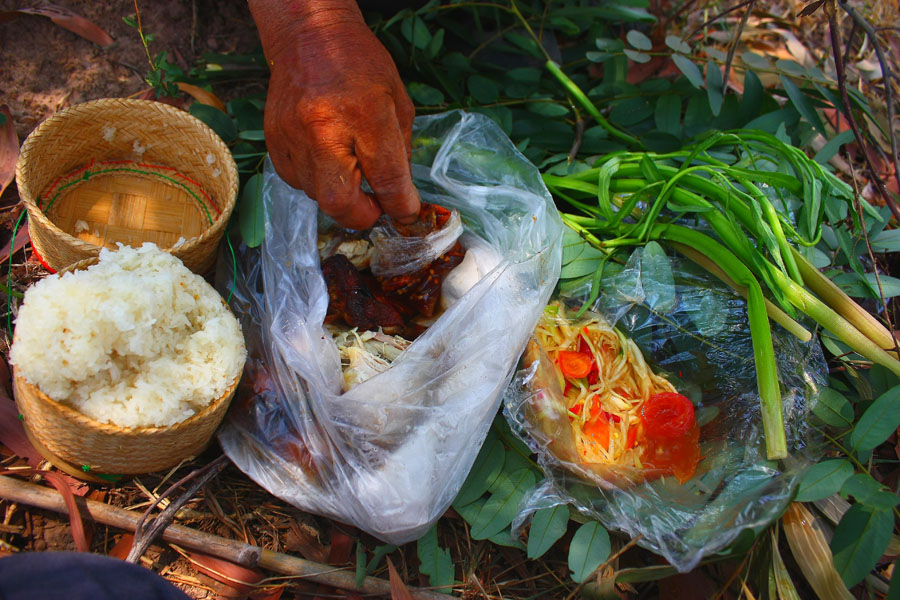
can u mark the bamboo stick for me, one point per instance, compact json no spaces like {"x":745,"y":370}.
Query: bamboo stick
{"x":246,"y":555}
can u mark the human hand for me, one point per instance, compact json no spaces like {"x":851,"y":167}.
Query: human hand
{"x":336,"y":111}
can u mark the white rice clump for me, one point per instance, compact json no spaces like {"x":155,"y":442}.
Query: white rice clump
{"x":136,"y":340}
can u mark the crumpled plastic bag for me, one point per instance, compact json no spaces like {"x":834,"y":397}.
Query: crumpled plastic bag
{"x":692,"y":327}
{"x":396,"y":254}
{"x":390,"y":454}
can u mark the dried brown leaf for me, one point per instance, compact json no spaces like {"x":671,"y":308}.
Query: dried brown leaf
{"x":811,"y":8}
{"x":66,"y":19}
{"x":399,"y":591}
{"x":200,"y":95}
{"x":122,"y":547}
{"x":9,"y":150}
{"x":805,"y":535}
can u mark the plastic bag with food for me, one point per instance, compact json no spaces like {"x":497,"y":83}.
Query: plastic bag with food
{"x":391,"y":452}
{"x":644,"y":412}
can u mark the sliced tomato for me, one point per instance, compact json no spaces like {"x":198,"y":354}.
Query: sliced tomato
{"x":598,"y":430}
{"x":631,"y":438}
{"x":667,"y":416}
{"x":575,"y":364}
{"x":585,"y":348}
{"x":576,"y":410}
{"x":679,"y":456}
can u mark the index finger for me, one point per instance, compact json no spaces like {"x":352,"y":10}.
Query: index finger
{"x":383,"y":160}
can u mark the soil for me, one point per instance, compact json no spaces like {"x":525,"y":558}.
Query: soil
{"x":46,"y":68}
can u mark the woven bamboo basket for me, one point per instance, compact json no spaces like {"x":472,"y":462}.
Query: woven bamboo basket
{"x":77,"y":443}
{"x":126,"y":171}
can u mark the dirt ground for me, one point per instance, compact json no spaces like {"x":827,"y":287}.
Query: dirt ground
{"x":46,"y":68}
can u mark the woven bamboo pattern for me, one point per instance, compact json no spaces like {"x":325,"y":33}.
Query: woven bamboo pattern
{"x":104,"y":448}
{"x":129,"y":171}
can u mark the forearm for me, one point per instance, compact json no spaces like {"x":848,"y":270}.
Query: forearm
{"x":280,"y":21}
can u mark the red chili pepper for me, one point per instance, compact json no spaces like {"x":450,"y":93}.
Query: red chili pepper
{"x":576,"y":410}
{"x":667,"y":416}
{"x":631,"y":437}
{"x":574,"y":364}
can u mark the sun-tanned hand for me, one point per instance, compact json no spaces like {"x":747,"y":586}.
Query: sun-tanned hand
{"x":336,"y":111}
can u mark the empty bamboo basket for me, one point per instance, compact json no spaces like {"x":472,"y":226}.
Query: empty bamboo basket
{"x":126,"y":171}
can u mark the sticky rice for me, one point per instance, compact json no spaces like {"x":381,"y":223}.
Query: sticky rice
{"x":136,"y":340}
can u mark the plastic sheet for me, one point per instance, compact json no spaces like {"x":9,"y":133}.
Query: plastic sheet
{"x":390,"y":454}
{"x":693,"y":328}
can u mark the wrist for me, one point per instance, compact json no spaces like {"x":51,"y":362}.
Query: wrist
{"x":283,"y":23}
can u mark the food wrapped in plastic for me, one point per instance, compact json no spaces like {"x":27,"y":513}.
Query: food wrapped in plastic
{"x":693,"y":332}
{"x":390,"y":454}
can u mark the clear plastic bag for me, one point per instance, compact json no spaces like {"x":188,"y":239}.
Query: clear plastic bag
{"x":694,"y":329}
{"x":390,"y":454}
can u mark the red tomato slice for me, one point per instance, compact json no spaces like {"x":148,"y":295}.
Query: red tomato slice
{"x":667,"y":416}
{"x":575,"y":364}
{"x":598,"y":430}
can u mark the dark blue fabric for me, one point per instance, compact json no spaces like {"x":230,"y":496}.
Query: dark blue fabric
{"x":80,"y":576}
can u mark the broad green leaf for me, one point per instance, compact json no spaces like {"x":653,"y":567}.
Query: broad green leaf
{"x":523,"y":42}
{"x":866,"y":490}
{"x":599,"y":57}
{"x":867,"y":286}
{"x":833,"y":408}
{"x":525,"y":75}
{"x":586,"y":264}
{"x":803,"y":104}
{"x":416,"y":32}
{"x":252,"y":212}
{"x":218,"y":121}
{"x":668,"y":114}
{"x":677,"y":44}
{"x":572,"y":246}
{"x":506,"y":538}
{"x":588,"y":550}
{"x":621,"y":12}
{"x":859,"y":541}
{"x":360,"y":563}
{"x":660,"y":141}
{"x":751,"y":101}
{"x":710,"y":315}
{"x":714,"y":87}
{"x":689,"y":69}
{"x":435,"y":45}
{"x":547,"y":526}
{"x":377,"y":555}
{"x":824,"y":479}
{"x":638,"y":57}
{"x":548,"y":109}
{"x":631,"y":111}
{"x":435,"y":561}
{"x":638,"y":40}
{"x":424,"y":95}
{"x":565,"y":25}
{"x":894,"y":590}
{"x":484,"y":472}
{"x":771,"y":121}
{"x":501,"y":508}
{"x":792,"y":67}
{"x":657,"y":278}
{"x":834,"y":144}
{"x":754,"y":60}
{"x":484,"y":90}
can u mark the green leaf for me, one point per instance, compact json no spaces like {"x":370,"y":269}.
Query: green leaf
{"x":484,"y":472}
{"x":824,"y":479}
{"x":754,"y":60}
{"x":668,"y":114}
{"x":416,"y":32}
{"x":859,"y":541}
{"x":866,"y":490}
{"x":252,"y":212}
{"x":689,"y":69}
{"x":216,"y":119}
{"x":677,"y":44}
{"x":484,"y":90}
{"x":523,"y":42}
{"x":894,"y":590}
{"x":751,"y":101}
{"x":548,"y":109}
{"x":377,"y":555}
{"x":802,"y":103}
{"x":878,"y":422}
{"x":887,"y":241}
{"x":833,"y":408}
{"x":660,"y":141}
{"x":638,"y":57}
{"x":547,"y":526}
{"x":501,"y":508}
{"x":435,"y":561}
{"x":507,"y":538}
{"x":834,"y":144}
{"x":714,"y":87}
{"x":631,"y":111}
{"x":866,"y":286}
{"x":589,"y":549}
{"x":253,"y":135}
{"x":599,"y":57}
{"x":424,"y":95}
{"x":792,"y":67}
{"x":437,"y":42}
{"x":360,"y":563}
{"x":525,"y":75}
{"x":657,"y":278}
{"x":638,"y":40}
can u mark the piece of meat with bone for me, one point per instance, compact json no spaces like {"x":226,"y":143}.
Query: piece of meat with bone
{"x":351,"y":300}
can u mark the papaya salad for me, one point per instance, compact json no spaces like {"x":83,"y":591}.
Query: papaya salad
{"x":620,"y":413}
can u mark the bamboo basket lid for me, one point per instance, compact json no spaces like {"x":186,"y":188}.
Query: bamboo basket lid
{"x":126,"y":171}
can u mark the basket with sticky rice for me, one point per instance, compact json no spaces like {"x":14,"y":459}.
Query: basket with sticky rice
{"x":599,"y":407}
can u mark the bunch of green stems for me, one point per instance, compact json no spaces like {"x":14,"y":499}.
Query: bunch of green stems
{"x":716,"y":213}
